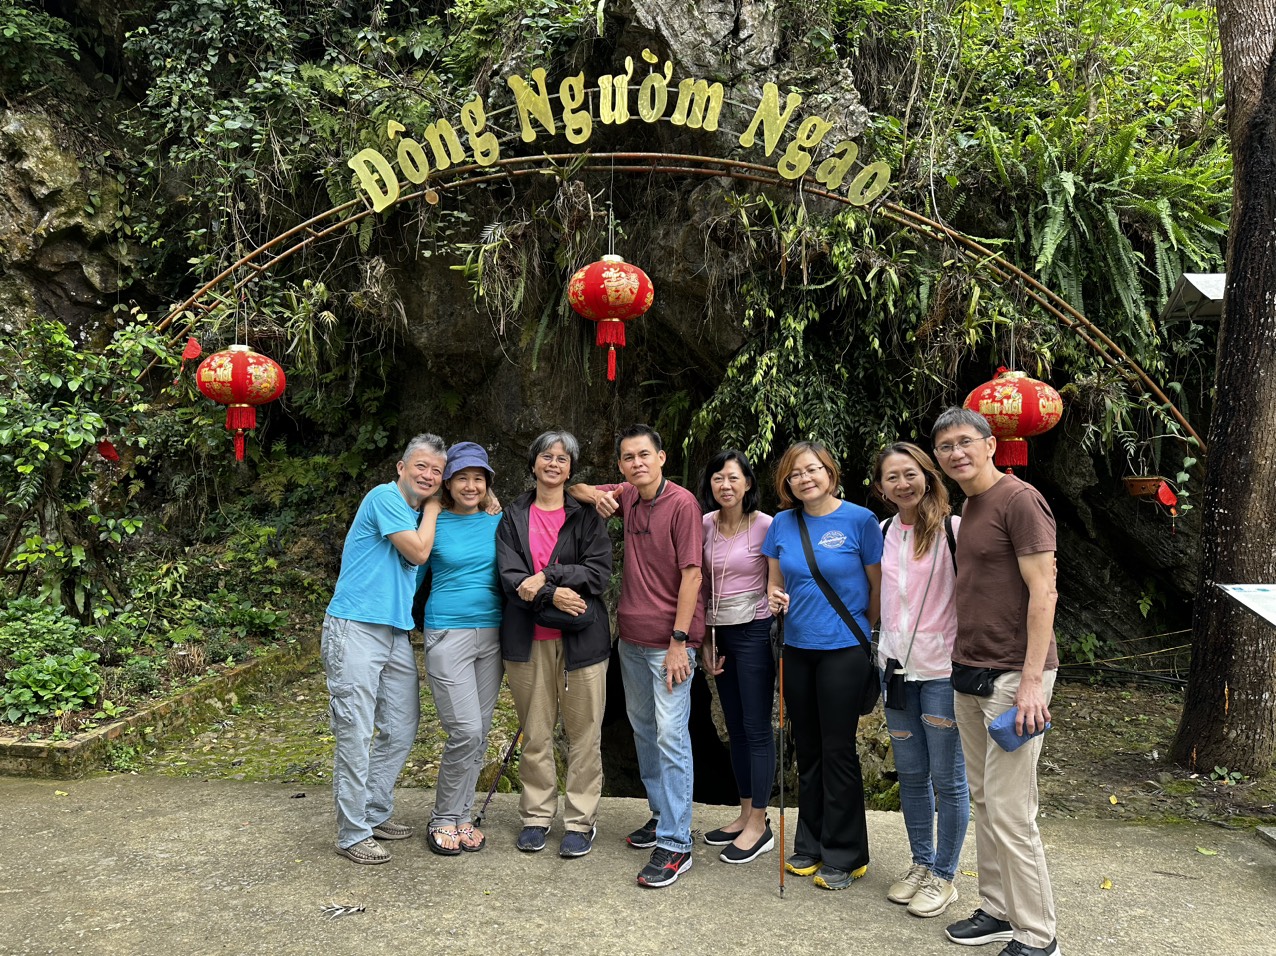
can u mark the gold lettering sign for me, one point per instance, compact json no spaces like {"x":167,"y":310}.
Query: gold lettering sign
{"x":698,"y":105}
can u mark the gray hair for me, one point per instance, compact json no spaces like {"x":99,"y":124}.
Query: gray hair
{"x":956,"y":417}
{"x":425,"y":442}
{"x":547,"y":440}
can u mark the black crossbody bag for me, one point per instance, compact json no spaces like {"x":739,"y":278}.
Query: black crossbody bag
{"x":872,"y":686}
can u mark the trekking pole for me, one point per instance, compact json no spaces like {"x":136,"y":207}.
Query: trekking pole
{"x":509,"y":755}
{"x":780,"y":674}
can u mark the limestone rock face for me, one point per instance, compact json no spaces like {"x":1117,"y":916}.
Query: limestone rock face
{"x":58,"y":252}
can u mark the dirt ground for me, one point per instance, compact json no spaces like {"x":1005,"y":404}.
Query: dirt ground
{"x":1105,"y":758}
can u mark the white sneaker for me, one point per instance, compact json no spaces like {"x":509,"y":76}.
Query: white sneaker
{"x":905,"y":888}
{"x":932,"y":897}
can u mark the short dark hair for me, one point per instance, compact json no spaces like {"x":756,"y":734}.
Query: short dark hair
{"x":547,"y":440}
{"x":956,"y":417}
{"x":719,"y":461}
{"x":639,"y":431}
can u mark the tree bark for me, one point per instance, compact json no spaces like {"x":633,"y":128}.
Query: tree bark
{"x":1229,"y":714}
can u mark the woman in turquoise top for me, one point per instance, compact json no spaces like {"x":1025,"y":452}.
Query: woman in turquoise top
{"x":462,"y":640}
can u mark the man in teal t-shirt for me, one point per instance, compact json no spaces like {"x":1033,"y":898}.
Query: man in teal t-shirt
{"x":367,"y":657}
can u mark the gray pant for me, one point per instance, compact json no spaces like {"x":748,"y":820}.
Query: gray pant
{"x":374,"y":712}
{"x":464,"y":668}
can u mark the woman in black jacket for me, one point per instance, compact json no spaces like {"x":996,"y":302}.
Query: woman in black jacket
{"x":554,"y":559}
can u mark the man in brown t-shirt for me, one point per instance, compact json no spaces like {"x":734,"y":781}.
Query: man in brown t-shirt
{"x":1005,"y":623}
{"x":661,"y":617}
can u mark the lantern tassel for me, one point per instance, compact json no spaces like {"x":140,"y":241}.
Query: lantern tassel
{"x":610,"y":332}
{"x":241,"y":417}
{"x":239,"y":446}
{"x":1011,"y":453}
{"x":611,"y":364}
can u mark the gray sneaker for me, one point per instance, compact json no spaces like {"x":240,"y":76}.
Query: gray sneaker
{"x":367,"y":851}
{"x":389,"y":830}
{"x":576,"y":843}
{"x":905,"y":888}
{"x":933,"y":897}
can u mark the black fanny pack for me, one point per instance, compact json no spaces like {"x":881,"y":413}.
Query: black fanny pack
{"x":976,"y":681}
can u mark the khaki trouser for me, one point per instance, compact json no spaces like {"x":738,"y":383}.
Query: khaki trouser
{"x":541,"y":688}
{"x":1003,"y":793}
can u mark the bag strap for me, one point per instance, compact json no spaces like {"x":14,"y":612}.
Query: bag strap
{"x":952,"y":540}
{"x":829,"y":594}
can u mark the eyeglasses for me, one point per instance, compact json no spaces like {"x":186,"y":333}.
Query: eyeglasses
{"x":806,"y":473}
{"x":947,"y":448}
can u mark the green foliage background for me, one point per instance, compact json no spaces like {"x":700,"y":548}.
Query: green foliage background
{"x":1083,"y":142}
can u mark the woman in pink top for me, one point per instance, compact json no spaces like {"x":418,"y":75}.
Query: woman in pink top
{"x":737,"y":647}
{"x":554,"y":560}
{"x":919,"y":624}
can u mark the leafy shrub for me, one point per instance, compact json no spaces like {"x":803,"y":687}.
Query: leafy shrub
{"x":239,"y":616}
{"x":31,"y":42}
{"x":224,"y":649}
{"x":56,"y":682}
{"x":30,"y":629}
{"x":140,"y":676}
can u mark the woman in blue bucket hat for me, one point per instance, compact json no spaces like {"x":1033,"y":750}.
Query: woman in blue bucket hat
{"x":462,"y":640}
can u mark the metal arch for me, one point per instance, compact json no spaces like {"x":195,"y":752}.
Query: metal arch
{"x":288,"y":243}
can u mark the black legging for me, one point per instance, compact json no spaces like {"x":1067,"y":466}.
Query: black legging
{"x":821,"y":695}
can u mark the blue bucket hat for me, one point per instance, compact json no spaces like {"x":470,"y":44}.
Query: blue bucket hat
{"x":467,"y":454}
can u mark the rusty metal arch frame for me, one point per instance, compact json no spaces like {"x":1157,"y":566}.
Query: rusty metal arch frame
{"x":327,"y":224}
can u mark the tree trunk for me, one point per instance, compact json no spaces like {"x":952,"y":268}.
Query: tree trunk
{"x":1229,"y":714}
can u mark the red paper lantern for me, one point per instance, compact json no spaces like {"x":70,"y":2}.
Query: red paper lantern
{"x":610,"y":292}
{"x":1017,"y":407}
{"x":240,"y":379}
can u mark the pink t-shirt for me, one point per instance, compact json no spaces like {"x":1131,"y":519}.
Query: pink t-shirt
{"x":735,"y":565}
{"x":542,"y":534}
{"x":662,"y":536}
{"x":903,"y":585}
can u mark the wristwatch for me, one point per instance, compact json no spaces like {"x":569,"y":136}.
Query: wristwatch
{"x":680,"y":636}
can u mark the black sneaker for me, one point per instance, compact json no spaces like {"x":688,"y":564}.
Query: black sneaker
{"x":1017,"y":948}
{"x":532,"y":839}
{"x":979,"y":929}
{"x":665,"y":867}
{"x":799,"y":864}
{"x":644,"y":838}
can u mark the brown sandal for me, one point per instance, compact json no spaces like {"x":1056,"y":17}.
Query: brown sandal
{"x":432,"y":840}
{"x":467,"y":832}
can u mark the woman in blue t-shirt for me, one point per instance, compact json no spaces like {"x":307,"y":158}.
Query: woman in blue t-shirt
{"x":826,"y":664}
{"x":462,"y":640}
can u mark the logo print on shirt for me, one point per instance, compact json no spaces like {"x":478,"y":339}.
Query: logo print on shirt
{"x":832,"y":540}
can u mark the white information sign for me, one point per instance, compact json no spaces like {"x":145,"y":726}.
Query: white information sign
{"x":1259,"y":598}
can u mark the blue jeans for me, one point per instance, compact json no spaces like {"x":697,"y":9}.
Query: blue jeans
{"x":374,"y":712}
{"x":659,"y":719}
{"x":746,"y":688}
{"x":931,"y":768}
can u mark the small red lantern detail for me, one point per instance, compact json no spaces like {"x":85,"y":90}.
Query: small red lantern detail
{"x":1017,"y":407}
{"x":240,"y":379}
{"x":610,"y":292}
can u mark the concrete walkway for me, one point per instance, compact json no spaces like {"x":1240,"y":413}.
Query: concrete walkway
{"x":135,"y":865}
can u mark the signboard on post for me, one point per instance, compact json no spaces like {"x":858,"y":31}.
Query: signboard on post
{"x":1258,"y":598}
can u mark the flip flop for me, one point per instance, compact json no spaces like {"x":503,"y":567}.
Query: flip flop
{"x":468,"y":831}
{"x":433,"y":843}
